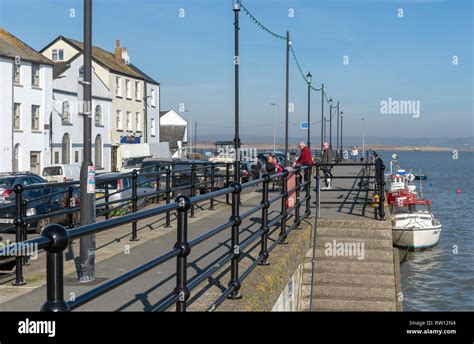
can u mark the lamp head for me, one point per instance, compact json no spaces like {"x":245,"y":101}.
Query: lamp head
{"x":309,"y":77}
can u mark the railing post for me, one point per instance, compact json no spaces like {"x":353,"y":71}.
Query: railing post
{"x":107,"y":207}
{"x":308,"y":191}
{"x":235,"y":245}
{"x":382,"y":192}
{"x":181,"y":261}
{"x":168,"y":196}
{"x":317,"y":189}
{"x":284,"y":213}
{"x":193,"y":186}
{"x":134,"y":204}
{"x":24,"y":230}
{"x":265,"y":229}
{"x":227,"y":181}
{"x":59,"y":238}
{"x":298,"y":201}
{"x":213,"y":170}
{"x":19,"y":223}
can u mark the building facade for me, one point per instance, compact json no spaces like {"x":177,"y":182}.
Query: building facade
{"x":174,"y":130}
{"x":25,"y":106}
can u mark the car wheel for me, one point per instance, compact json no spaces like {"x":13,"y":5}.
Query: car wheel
{"x":42,"y":224}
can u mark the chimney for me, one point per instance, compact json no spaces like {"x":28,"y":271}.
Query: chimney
{"x":118,"y":52}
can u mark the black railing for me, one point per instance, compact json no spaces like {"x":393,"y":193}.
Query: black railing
{"x":56,"y":238}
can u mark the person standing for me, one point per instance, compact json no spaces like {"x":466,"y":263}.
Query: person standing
{"x":305,"y":156}
{"x":326,"y":160}
{"x":354,"y":154}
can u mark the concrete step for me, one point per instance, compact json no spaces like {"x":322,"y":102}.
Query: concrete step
{"x":368,"y":280}
{"x":368,"y":242}
{"x":350,"y":253}
{"x":351,"y":267}
{"x":329,"y":305}
{"x":361,"y":233}
{"x":340,"y":223}
{"x":349,"y":293}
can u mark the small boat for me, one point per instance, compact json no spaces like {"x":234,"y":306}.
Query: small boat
{"x":421,"y":177}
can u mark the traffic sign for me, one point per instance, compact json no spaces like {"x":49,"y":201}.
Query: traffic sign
{"x":304,"y":125}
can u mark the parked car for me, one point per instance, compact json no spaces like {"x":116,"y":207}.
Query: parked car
{"x":280,"y":156}
{"x":42,"y":201}
{"x":245,"y":171}
{"x":9,"y":180}
{"x":61,"y":173}
{"x":119,"y":187}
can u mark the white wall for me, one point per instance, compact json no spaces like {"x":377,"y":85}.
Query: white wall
{"x":6,"y":114}
{"x":153,"y":112}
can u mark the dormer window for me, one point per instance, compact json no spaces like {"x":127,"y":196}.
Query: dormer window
{"x":58,"y":55}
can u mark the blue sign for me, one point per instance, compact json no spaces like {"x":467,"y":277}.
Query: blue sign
{"x":304,"y":125}
{"x":130,"y":139}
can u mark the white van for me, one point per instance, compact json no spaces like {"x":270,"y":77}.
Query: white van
{"x":61,"y":173}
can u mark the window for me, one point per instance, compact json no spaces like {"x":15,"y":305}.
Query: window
{"x":128,"y":88}
{"x":17,"y":121}
{"x":76,"y":156}
{"x":138,"y":119}
{"x":56,"y":157}
{"x":35,"y":74}
{"x":119,"y":120}
{"x":98,"y":115}
{"x":138,"y":91}
{"x":35,"y":162}
{"x":35,"y":117}
{"x":153,"y":128}
{"x":16,"y":158}
{"x":66,"y":112}
{"x":17,"y":75}
{"x":129,"y":121}
{"x":58,"y":54}
{"x":118,"y":86}
{"x":66,"y":149}
{"x":98,"y":151}
{"x":153,"y":103}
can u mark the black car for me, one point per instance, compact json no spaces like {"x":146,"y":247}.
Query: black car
{"x":43,"y":200}
{"x":9,"y":180}
{"x":246,"y":171}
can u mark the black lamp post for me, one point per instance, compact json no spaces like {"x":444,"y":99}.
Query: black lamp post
{"x":342,"y":113}
{"x":323,"y":90}
{"x":309,"y":77}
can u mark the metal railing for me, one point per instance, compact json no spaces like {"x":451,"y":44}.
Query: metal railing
{"x":56,"y":238}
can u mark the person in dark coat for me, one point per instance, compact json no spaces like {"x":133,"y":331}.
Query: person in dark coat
{"x":326,"y":158}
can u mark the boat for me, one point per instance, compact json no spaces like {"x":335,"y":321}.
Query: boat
{"x":421,"y":177}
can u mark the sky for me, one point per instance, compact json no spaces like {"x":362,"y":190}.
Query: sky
{"x":365,"y":51}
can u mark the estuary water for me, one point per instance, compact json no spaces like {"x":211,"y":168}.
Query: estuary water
{"x":442,"y":278}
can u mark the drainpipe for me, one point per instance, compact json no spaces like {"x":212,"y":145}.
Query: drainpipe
{"x":145,"y":114}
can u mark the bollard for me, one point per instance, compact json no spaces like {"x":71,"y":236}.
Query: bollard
{"x":193,"y":187}
{"x":235,"y":245}
{"x":382,"y":193}
{"x":107,"y":208}
{"x":308,"y":192}
{"x":297,"y":221}
{"x":59,"y":241}
{"x":283,"y":213}
{"x":264,"y":242}
{"x":227,"y":181}
{"x":134,"y":204}
{"x":181,"y":261}
{"x":168,"y":196}
{"x":213,"y":171}
{"x":19,"y":222}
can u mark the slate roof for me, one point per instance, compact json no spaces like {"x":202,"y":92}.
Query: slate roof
{"x":172,"y":134}
{"x":11,"y":47}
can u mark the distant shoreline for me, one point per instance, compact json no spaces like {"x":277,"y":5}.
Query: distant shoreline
{"x":210,"y":145}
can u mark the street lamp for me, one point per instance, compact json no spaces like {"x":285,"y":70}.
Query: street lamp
{"x":323,"y":90}
{"x":363,"y":138}
{"x":274,"y":128}
{"x":330,"y":122}
{"x":309,"y":77}
{"x":340,"y":145}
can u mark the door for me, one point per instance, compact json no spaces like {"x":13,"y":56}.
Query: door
{"x":35,"y":162}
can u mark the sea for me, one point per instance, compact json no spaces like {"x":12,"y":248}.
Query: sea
{"x":442,"y":278}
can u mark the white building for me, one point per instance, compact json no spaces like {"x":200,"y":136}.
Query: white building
{"x":67,"y":123}
{"x":25,"y":106}
{"x":174,"y":130}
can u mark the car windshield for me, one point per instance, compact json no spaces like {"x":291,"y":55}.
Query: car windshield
{"x":7,"y":181}
{"x":52,"y":171}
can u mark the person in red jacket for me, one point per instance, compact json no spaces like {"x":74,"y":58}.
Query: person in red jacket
{"x":305,"y":156}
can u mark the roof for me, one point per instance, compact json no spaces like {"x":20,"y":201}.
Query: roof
{"x":107,"y":60}
{"x":162,"y":113}
{"x":11,"y":47}
{"x":172,"y":134}
{"x":59,"y":68}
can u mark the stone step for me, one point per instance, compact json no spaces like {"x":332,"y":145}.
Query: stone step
{"x":361,"y":233}
{"x":349,"y":293}
{"x":339,"y":223}
{"x":350,"y":253}
{"x":369,"y":280}
{"x":329,"y":305}
{"x":368,"y":242}
{"x":351,"y":267}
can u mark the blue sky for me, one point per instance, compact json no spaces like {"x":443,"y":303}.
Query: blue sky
{"x":407,"y":58}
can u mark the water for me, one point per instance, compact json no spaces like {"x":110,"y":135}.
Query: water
{"x":442,"y":278}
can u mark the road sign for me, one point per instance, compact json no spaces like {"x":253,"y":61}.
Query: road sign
{"x":304,"y":125}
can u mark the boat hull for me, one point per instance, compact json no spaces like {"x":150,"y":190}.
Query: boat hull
{"x":416,"y":238}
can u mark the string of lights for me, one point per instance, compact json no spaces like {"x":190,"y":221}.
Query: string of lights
{"x":259,"y":24}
